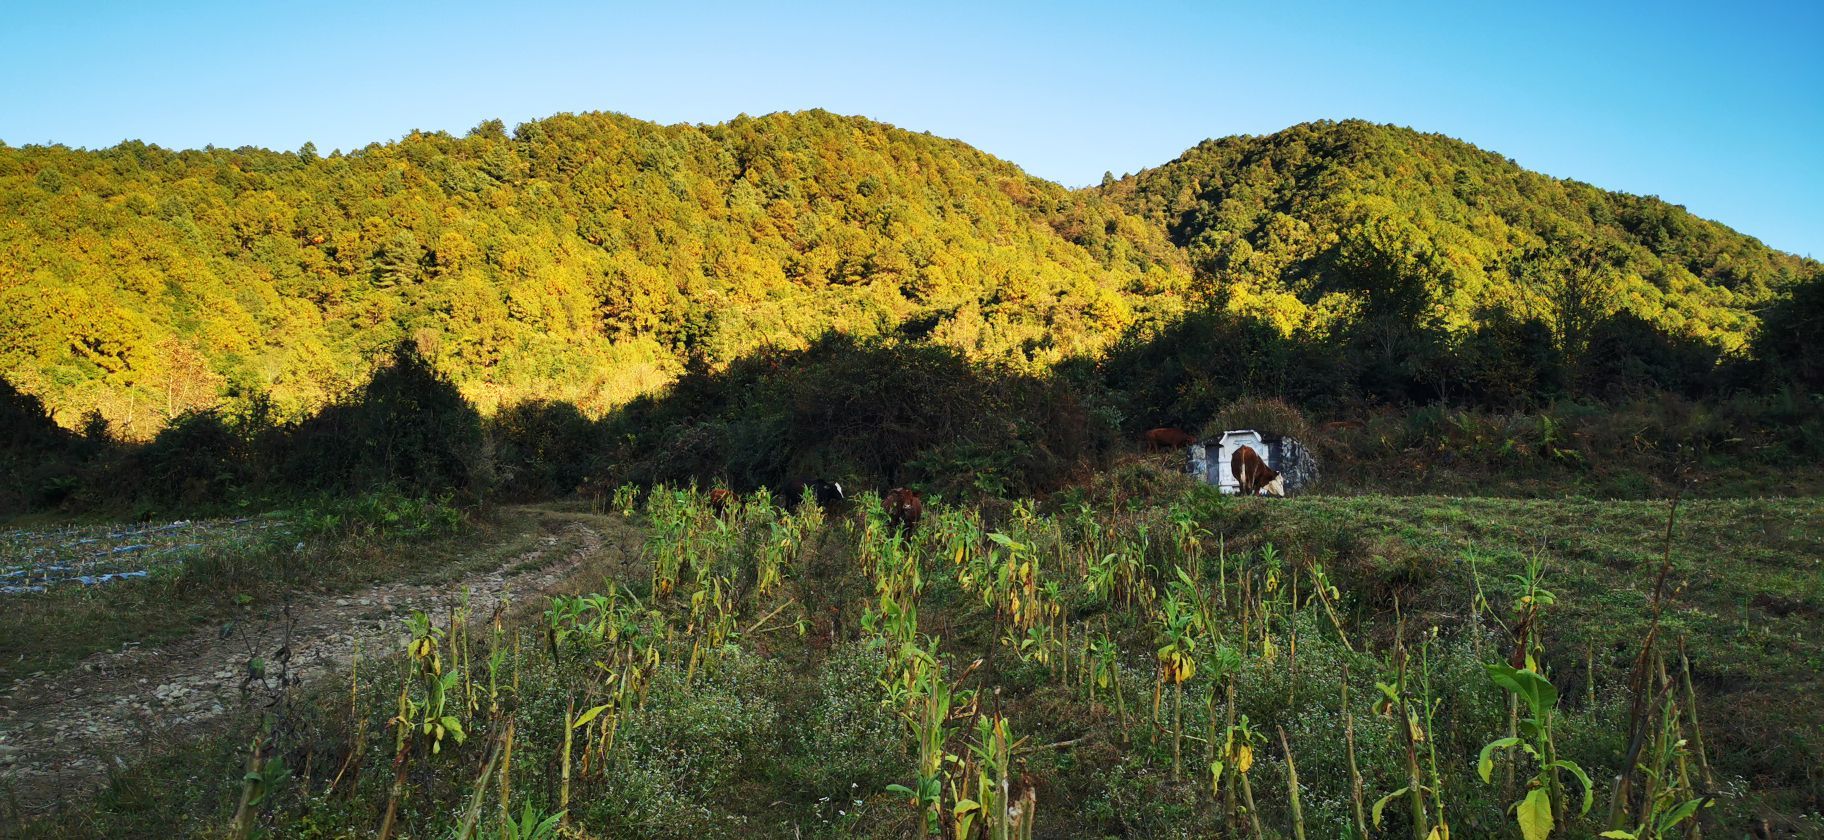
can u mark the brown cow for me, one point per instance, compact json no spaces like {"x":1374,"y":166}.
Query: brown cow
{"x":904,"y":508}
{"x":1166,"y":437}
{"x":720,"y":499}
{"x":1255,"y":477}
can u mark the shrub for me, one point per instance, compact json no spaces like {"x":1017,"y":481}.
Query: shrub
{"x":848,"y":741}
{"x":677,"y":761}
{"x":1265,"y":414}
{"x":409,"y":428}
{"x":385,"y":514}
{"x":1787,"y":347}
{"x":543,"y":449}
{"x":37,"y":456}
{"x":196,"y":460}
{"x":875,"y":412}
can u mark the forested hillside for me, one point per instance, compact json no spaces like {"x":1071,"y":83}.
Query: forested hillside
{"x":584,"y":258}
{"x":591,"y":259}
{"x":1302,"y":225}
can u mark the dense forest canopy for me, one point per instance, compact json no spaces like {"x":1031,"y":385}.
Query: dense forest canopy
{"x":593,"y":258}
{"x":584,"y":258}
{"x":1290,"y":224}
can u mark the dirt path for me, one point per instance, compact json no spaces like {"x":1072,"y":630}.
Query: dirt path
{"x":60,"y":732}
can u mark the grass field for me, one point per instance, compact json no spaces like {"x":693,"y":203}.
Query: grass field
{"x":1099,"y":666}
{"x":1746,"y":592}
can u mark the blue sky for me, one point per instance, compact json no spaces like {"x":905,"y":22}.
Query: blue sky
{"x":1719,"y":107}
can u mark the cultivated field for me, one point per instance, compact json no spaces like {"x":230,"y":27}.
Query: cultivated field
{"x":1149,"y":662}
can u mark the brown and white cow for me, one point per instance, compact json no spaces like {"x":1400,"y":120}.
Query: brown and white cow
{"x":1165,"y":437}
{"x":1254,"y":476}
{"x":720,"y":499}
{"x":904,"y":508}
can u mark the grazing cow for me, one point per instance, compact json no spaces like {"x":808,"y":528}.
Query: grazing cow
{"x":1168,"y":438}
{"x":1255,"y":477}
{"x":823,"y":491}
{"x":904,"y":507}
{"x":720,"y":499}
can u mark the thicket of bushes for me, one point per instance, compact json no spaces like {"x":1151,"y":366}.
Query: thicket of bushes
{"x":1505,"y":402}
{"x":1185,"y":373}
{"x":1612,"y":413}
{"x":869,"y":412}
{"x":407,"y":430}
{"x":879,"y":413}
{"x":1642,"y":447}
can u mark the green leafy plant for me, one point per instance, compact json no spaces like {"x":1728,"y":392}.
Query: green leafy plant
{"x":626,"y":497}
{"x":926,"y":702}
{"x":529,"y":825}
{"x":1535,"y":811}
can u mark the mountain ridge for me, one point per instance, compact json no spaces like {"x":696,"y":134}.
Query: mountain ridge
{"x":591,"y":258}
{"x":1489,"y":197}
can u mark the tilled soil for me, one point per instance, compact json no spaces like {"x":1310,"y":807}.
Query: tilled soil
{"x":60,"y":732}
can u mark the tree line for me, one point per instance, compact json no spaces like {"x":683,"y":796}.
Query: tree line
{"x":902,"y":411}
{"x":593,"y":259}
